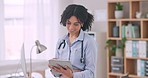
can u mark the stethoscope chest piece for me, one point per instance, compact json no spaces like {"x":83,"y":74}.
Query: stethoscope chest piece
{"x":82,"y":60}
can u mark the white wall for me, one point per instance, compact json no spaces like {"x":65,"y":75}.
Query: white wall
{"x":62,"y":5}
{"x":100,"y":27}
{"x":2,"y":30}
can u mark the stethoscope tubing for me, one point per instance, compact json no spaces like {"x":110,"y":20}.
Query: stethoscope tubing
{"x":82,"y":60}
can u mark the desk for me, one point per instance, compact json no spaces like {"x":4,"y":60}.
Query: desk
{"x":10,"y":66}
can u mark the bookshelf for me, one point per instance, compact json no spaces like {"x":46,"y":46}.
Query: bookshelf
{"x":130,"y":7}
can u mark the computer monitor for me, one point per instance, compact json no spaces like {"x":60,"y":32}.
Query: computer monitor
{"x":23,"y":61}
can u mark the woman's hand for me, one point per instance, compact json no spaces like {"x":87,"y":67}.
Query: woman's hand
{"x":66,"y":71}
{"x":50,"y":66}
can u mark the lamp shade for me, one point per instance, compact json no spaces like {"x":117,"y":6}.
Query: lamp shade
{"x":40,"y":47}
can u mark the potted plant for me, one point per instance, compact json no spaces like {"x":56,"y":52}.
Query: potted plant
{"x":119,"y":10}
{"x":117,"y":48}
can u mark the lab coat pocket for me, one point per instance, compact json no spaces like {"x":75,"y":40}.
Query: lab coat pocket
{"x":77,"y":50}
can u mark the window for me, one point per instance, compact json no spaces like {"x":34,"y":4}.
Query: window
{"x":13,"y":28}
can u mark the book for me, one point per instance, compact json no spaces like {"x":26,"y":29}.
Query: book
{"x":135,"y":31}
{"x":140,"y":67}
{"x":123,"y":31}
{"x":128,"y":30}
{"x":128,"y":48}
{"x":56,"y":62}
{"x":143,"y":51}
{"x":134,"y":48}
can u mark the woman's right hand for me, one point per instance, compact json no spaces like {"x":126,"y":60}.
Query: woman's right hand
{"x":50,"y":66}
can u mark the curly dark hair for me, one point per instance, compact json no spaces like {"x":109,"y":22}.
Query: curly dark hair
{"x":81,"y":13}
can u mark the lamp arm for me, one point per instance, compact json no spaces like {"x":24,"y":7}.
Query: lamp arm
{"x":31,"y":61}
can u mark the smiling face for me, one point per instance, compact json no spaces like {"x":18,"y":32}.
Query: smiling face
{"x":73,"y":26}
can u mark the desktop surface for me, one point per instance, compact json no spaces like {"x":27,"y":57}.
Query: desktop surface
{"x":14,"y":66}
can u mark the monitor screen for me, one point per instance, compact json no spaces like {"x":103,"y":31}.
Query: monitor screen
{"x":23,"y":61}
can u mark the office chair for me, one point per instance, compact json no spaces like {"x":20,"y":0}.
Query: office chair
{"x":124,"y":76}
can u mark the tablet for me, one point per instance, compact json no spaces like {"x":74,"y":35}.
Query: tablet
{"x":55,"y":62}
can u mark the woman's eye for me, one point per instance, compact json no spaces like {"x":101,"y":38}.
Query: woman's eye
{"x":76,"y":24}
{"x":68,"y":23}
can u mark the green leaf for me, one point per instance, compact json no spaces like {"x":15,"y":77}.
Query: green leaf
{"x":108,"y":43}
{"x":119,"y":6}
{"x":123,"y":40}
{"x":113,"y":48}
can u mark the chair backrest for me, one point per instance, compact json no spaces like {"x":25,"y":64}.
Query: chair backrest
{"x":124,"y":76}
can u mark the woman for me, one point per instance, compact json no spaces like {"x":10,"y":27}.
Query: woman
{"x":76,"y":46}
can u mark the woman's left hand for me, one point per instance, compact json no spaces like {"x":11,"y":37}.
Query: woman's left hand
{"x":66,"y":71}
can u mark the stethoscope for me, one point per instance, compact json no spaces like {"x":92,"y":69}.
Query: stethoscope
{"x":82,"y":60}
